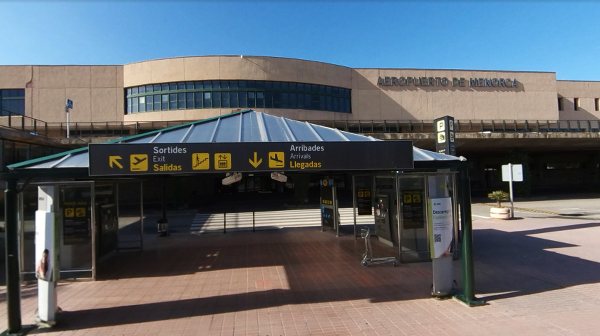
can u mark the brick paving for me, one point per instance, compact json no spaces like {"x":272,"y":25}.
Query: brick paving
{"x":539,"y":275}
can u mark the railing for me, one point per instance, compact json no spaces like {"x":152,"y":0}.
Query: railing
{"x":463,"y":126}
{"x":24,"y":123}
{"x":122,"y":128}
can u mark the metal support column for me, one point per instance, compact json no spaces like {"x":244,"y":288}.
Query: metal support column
{"x":13,"y":289}
{"x":468,"y":293}
{"x":354,"y":203}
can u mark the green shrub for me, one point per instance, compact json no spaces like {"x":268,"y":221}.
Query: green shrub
{"x":498,"y":196}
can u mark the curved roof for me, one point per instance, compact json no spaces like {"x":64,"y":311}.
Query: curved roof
{"x":245,"y":126}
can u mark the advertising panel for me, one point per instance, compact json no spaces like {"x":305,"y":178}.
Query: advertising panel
{"x":440,"y":226}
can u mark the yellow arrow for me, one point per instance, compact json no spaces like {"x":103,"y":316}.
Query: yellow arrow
{"x":113,"y":160}
{"x":256,"y":161}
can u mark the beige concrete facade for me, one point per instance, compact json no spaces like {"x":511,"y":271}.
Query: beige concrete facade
{"x":98,"y":92}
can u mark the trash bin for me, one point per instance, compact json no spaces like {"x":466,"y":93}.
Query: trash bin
{"x":163,"y":227}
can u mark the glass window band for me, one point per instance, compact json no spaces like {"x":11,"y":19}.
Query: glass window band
{"x":237,"y":93}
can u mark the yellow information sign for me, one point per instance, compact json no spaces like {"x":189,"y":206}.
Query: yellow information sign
{"x":115,"y":161}
{"x":138,"y":162}
{"x":276,"y":160}
{"x":200,"y":161}
{"x":222,"y":161}
{"x":69,"y":212}
{"x":79,"y":212}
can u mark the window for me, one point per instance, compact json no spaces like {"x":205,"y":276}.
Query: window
{"x":576,"y":105}
{"x":189,"y":100}
{"x":198,"y":100}
{"x":225,"y":99}
{"x":260,"y":99}
{"x":226,"y":94}
{"x":251,"y":99}
{"x":149,"y":103}
{"x":173,"y":101}
{"x":562,"y":165}
{"x":597,"y":104}
{"x":181,"y":100}
{"x":233,"y":99}
{"x":207,"y":100}
{"x":243,"y":98}
{"x":156,"y":102}
{"x":165,"y":102}
{"x":216,"y":99}
{"x":134,"y":105}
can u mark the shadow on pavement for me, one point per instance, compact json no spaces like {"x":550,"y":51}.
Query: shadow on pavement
{"x":517,"y":263}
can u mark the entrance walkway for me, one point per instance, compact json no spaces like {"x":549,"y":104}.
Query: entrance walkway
{"x":288,"y":281}
{"x":540,"y":275}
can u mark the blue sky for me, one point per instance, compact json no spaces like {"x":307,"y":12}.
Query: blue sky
{"x":558,"y":36}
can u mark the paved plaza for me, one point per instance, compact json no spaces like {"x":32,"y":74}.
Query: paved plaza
{"x":538,"y":273}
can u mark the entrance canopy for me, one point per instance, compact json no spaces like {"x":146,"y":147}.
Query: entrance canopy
{"x":261,"y":136}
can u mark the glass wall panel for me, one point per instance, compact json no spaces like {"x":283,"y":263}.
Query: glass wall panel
{"x":142,"y":104}
{"x":207,"y":100}
{"x":172,"y":101}
{"x":260,"y":99}
{"x":76,"y":249}
{"x":165,"y":102}
{"x":189,"y":100}
{"x":251,"y":99}
{"x":216,"y":99}
{"x":243,"y":97}
{"x":12,"y":106}
{"x":181,"y":100}
{"x":225,"y":99}
{"x":198,"y":100}
{"x":156,"y":102}
{"x":268,"y":99}
{"x":233,"y":99}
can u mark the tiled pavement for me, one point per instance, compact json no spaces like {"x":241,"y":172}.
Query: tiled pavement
{"x":540,"y":276}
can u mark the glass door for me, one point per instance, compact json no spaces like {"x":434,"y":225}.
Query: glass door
{"x":414,"y":243}
{"x":77,"y":253}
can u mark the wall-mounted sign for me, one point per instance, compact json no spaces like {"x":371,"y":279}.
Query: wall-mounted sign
{"x":327,"y":203}
{"x":456,"y":82}
{"x":176,"y":158}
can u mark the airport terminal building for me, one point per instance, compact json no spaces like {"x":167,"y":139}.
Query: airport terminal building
{"x":550,"y":126}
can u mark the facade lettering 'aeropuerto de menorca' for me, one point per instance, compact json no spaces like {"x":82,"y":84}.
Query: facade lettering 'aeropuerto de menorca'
{"x":448,"y":82}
